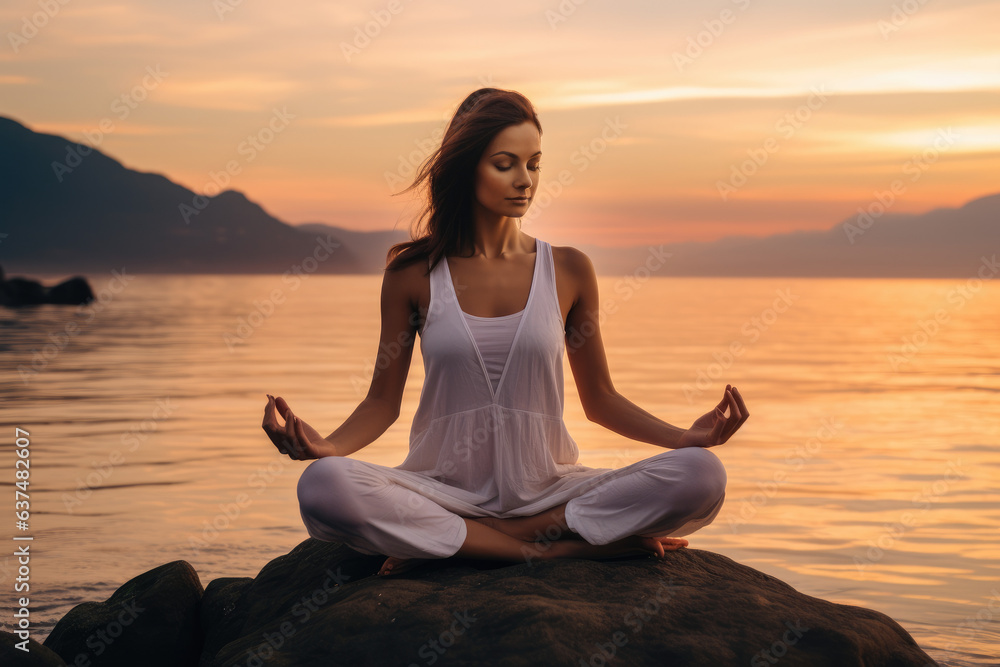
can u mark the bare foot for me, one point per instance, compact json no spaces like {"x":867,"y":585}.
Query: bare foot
{"x":627,"y":546}
{"x":393,"y":565}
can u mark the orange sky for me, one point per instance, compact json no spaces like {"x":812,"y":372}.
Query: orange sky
{"x":703,"y":119}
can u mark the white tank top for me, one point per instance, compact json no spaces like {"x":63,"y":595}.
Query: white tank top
{"x":500,"y":446}
{"x":493,"y":336}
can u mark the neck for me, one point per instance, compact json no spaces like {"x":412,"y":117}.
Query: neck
{"x":497,"y":236}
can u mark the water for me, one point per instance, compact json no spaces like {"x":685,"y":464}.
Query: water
{"x":866,"y":474}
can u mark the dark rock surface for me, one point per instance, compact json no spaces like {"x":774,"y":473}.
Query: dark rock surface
{"x":152,"y":621}
{"x":37,"y":655}
{"x":17,"y":292}
{"x":321,"y":604}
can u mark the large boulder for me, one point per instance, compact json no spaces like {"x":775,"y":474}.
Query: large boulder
{"x":152,"y":620}
{"x":14,"y":651}
{"x":322,"y":604}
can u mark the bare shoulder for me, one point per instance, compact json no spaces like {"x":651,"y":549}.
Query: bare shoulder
{"x":407,"y":278}
{"x":407,"y":288}
{"x":575,"y":274}
{"x":573,"y":263}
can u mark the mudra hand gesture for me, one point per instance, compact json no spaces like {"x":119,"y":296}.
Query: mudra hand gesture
{"x":295,"y":437}
{"x":714,"y":428}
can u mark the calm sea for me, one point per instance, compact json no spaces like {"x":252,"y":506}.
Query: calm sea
{"x":866,"y":475}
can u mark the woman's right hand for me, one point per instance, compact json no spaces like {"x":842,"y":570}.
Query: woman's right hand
{"x":295,"y":437}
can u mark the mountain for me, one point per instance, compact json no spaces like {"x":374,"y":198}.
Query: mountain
{"x":369,"y":248}
{"x":942,"y":243}
{"x":68,"y":208}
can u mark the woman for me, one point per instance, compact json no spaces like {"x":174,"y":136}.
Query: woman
{"x":492,"y":472}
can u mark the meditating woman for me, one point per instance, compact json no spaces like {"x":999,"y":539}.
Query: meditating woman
{"x":492,"y":471}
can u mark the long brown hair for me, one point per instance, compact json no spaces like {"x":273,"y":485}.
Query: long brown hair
{"x":451,"y":173}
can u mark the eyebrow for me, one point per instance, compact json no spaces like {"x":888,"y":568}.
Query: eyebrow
{"x":513,"y":155}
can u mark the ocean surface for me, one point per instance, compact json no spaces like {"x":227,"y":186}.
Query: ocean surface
{"x":866,"y":475}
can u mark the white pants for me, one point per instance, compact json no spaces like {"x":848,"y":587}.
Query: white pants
{"x":365,"y":506}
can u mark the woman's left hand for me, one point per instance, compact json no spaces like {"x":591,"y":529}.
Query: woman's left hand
{"x":714,"y":428}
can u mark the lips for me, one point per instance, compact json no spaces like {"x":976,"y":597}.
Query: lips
{"x":517,"y":198}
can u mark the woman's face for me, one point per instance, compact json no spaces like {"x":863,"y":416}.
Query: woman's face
{"x":509,"y":169}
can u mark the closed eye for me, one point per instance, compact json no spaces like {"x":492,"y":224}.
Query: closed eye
{"x":537,"y":167}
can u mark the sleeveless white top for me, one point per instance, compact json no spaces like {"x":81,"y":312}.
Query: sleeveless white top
{"x":493,"y":337}
{"x":494,"y":449}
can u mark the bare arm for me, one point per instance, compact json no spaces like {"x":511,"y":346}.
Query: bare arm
{"x":380,"y":408}
{"x":601,"y":401}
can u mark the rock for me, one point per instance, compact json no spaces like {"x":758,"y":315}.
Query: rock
{"x":16,"y":292}
{"x":218,"y":621}
{"x":321,"y":604}
{"x":152,"y":620}
{"x":37,"y":654}
{"x":21,"y":292}
{"x":691,"y":608}
{"x":74,"y":292}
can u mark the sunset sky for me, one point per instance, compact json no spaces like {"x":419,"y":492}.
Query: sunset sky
{"x":835,"y":99}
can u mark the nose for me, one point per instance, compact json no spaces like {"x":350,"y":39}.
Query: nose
{"x":523,"y":179}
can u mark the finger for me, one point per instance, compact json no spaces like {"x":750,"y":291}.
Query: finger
{"x":734,"y":419}
{"x":741,"y":403}
{"x":740,"y":407}
{"x":301,"y":437}
{"x":268,"y":412}
{"x":290,"y":429}
{"x":287,"y":448}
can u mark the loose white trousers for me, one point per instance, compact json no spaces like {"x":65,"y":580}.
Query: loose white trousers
{"x":376,"y":511}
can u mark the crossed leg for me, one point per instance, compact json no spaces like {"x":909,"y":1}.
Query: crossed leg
{"x":642,"y":508}
{"x":490,"y":538}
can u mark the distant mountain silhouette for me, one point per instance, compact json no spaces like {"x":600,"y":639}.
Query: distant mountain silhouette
{"x":942,"y":243}
{"x":369,"y":248}
{"x":67,"y":208}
